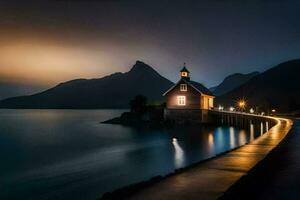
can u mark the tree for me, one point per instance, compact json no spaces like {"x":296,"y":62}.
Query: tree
{"x":138,"y":105}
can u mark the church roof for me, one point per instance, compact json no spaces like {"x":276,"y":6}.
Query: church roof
{"x":184,"y":69}
{"x":201,"y":88}
{"x":197,"y":86}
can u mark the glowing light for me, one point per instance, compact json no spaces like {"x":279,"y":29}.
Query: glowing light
{"x":221,"y":108}
{"x":231,"y":109}
{"x":183,"y":87}
{"x":184,"y":74}
{"x":242,"y":104}
{"x":262,"y":113}
{"x":273,"y":110}
{"x":181,"y":100}
{"x":251,"y":110}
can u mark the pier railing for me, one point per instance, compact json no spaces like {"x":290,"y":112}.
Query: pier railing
{"x":241,"y":119}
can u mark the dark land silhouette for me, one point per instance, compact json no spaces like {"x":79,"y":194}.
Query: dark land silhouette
{"x":113,"y":91}
{"x":11,"y":89}
{"x":231,"y":82}
{"x":140,"y":114}
{"x":276,"y":88}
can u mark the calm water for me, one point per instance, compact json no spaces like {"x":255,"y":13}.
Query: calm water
{"x":61,"y":154}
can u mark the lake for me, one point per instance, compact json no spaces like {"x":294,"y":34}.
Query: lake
{"x":68,"y":154}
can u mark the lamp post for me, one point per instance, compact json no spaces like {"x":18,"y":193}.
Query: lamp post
{"x":242,"y":105}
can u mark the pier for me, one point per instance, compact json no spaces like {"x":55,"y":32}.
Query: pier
{"x":211,"y":179}
{"x":241,"y":119}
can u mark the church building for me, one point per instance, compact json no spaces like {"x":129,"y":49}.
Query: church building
{"x":188,"y":101}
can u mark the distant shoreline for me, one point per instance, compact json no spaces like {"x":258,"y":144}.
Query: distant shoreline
{"x":64,"y":108}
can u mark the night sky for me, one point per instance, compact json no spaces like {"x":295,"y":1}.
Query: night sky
{"x":50,"y":42}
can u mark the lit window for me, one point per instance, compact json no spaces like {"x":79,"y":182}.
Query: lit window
{"x":183,"y":87}
{"x":181,"y":100}
{"x":184,"y":74}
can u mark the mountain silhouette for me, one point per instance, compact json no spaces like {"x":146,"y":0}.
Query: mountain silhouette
{"x":231,"y":82}
{"x":276,"y":88}
{"x":113,"y":91}
{"x":11,"y":89}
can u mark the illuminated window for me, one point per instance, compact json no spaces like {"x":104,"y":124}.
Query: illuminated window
{"x":181,"y":100}
{"x":184,"y":74}
{"x":211,"y":103}
{"x":183,"y":87}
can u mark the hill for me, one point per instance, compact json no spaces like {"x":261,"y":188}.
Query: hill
{"x":9,"y":89}
{"x":231,"y":82}
{"x":276,"y":88}
{"x":113,"y":91}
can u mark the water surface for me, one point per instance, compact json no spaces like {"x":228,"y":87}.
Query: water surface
{"x":62,"y":154}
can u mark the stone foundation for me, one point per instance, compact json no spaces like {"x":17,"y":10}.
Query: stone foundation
{"x":186,"y":116}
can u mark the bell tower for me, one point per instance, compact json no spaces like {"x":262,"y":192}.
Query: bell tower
{"x":184,"y":73}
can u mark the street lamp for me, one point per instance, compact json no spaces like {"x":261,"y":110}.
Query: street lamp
{"x":242,"y":104}
{"x":221,"y":108}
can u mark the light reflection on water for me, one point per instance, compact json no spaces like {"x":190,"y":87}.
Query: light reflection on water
{"x":179,"y":154}
{"x":211,"y":143}
{"x":243,"y":137}
{"x":67,"y":154}
{"x":232,"y":137}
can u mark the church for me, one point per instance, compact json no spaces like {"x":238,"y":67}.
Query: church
{"x":188,"y":101}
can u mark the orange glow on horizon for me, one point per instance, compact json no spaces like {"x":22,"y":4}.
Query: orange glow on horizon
{"x":51,"y":62}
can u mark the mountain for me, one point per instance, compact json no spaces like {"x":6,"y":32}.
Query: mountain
{"x":276,"y":88}
{"x":212,"y":89}
{"x":9,"y":89}
{"x":113,"y":91}
{"x":231,"y":82}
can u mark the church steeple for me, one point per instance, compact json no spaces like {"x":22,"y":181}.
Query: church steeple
{"x":184,"y":73}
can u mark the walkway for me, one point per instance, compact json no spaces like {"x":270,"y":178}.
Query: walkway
{"x":211,"y":179}
{"x":277,"y":176}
